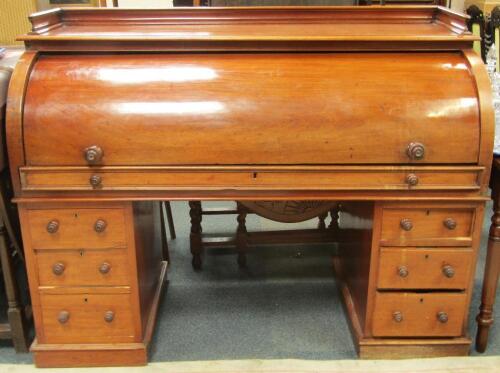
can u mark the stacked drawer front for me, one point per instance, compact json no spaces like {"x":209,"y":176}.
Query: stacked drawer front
{"x":425,"y":264}
{"x":82,"y":263}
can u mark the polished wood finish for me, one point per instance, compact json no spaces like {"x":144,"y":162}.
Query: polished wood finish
{"x":14,"y":114}
{"x":358,"y":228}
{"x":257,"y":177}
{"x":93,"y":288}
{"x":378,"y":291}
{"x":76,"y":225}
{"x":419,"y":314}
{"x":406,"y":348}
{"x":189,"y":130}
{"x":16,"y":326}
{"x":426,"y":227}
{"x":285,"y":28}
{"x":85,"y":318}
{"x":107,"y":267}
{"x":427,"y":268}
{"x":155,"y":105}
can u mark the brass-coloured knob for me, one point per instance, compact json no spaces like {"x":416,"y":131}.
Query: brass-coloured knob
{"x":95,"y":181}
{"x":406,"y":224}
{"x":397,"y":316}
{"x":450,"y":223}
{"x":442,"y":317}
{"x":63,"y":317}
{"x":412,"y":179}
{"x":109,"y":316}
{"x":58,"y":269}
{"x":53,"y":226}
{"x":415,"y":151}
{"x":403,"y":271}
{"x":93,"y":154}
{"x":448,"y":271}
{"x":100,"y":226}
{"x":104,"y":268}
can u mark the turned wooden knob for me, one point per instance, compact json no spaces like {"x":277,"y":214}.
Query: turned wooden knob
{"x":442,"y":317}
{"x":109,"y":316}
{"x":100,"y":226}
{"x":105,"y":268}
{"x":53,"y":226}
{"x":58,"y":269}
{"x":412,"y":179}
{"x":95,"y":181}
{"x":63,"y":317}
{"x":450,"y":223}
{"x":403,"y":271}
{"x":448,"y":271}
{"x":397,"y":316}
{"x":415,"y":151}
{"x":406,"y":224}
{"x":93,"y":154}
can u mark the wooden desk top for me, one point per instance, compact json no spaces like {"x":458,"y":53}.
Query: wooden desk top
{"x":159,"y":123}
{"x":314,"y":27}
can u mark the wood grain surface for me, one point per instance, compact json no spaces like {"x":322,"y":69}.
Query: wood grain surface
{"x":125,"y":103}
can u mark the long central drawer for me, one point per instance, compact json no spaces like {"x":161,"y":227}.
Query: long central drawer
{"x":284,"y":177}
{"x":255,"y":109}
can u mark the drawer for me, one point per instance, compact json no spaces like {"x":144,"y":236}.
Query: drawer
{"x":427,"y":227}
{"x":74,"y":228}
{"x":87,"y":318}
{"x":418,"y":314}
{"x":307,"y":177}
{"x":107,"y":267}
{"x":424,"y":268}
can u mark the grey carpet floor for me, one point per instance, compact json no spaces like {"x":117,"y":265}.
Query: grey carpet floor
{"x":284,"y":305}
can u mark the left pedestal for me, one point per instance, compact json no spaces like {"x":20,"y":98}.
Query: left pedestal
{"x":96,"y":275}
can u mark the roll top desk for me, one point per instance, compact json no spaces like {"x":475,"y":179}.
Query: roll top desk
{"x":386,"y":110}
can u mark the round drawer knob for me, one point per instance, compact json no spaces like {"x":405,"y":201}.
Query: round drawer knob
{"x":95,"y":181}
{"x":450,"y":223}
{"x":53,"y":226}
{"x":442,"y":317}
{"x":448,"y":271}
{"x":109,"y":316}
{"x":412,"y":179}
{"x":58,"y":269}
{"x":403,"y":271}
{"x":397,"y":316}
{"x":104,"y":268}
{"x":406,"y":224}
{"x":63,"y":317}
{"x":93,"y":154}
{"x":100,"y":226}
{"x":415,"y":151}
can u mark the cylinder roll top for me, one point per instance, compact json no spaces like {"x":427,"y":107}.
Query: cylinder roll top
{"x":282,"y":108}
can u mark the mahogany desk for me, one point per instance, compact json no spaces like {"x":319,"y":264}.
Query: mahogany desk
{"x":385,"y":109}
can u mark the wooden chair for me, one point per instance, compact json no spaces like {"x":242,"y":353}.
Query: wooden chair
{"x":476,"y":25}
{"x":493,"y":26}
{"x":242,"y":239}
{"x":19,"y":313}
{"x":484,"y":22}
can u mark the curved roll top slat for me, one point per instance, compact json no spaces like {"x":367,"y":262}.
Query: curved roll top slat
{"x":332,"y":108}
